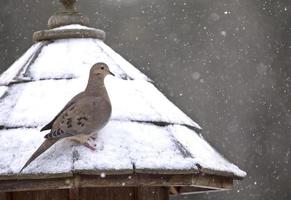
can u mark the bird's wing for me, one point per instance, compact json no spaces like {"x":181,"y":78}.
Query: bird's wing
{"x":84,"y":116}
{"x":73,"y":100}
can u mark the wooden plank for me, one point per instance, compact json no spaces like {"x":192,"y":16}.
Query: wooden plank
{"x":195,"y":190}
{"x":212,"y":182}
{"x":152,"y":193}
{"x":227,"y":183}
{"x":202,"y":180}
{"x":107,"y":172}
{"x":166,"y":171}
{"x":74,"y":191}
{"x":215,"y":183}
{"x":36,"y":184}
{"x":135,"y":180}
{"x":113,"y":193}
{"x":207,"y":181}
{"x":5,"y":196}
{"x":132,"y":180}
{"x":34,"y":176}
{"x":185,"y":190}
{"x":41,"y":195}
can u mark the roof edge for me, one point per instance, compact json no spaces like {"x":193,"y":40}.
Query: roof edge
{"x":125,"y":180}
{"x":55,"y":34}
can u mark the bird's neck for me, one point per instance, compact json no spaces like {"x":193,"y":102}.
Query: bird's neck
{"x":96,"y":87}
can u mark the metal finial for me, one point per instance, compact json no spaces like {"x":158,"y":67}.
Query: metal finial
{"x":67,"y":15}
{"x":68,"y":4}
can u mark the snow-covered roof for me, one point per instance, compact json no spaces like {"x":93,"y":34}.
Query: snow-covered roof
{"x":146,"y":133}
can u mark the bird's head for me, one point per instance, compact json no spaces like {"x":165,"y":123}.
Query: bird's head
{"x":100,"y":70}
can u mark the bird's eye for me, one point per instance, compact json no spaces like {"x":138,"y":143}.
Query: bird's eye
{"x":102,"y":67}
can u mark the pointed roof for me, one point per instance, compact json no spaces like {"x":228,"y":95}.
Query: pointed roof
{"x":147,"y":133}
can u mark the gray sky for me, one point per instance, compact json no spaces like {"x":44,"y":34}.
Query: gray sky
{"x":225,"y":63}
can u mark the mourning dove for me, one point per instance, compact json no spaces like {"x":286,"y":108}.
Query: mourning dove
{"x":83,"y":116}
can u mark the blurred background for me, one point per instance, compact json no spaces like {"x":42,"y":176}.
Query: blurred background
{"x":225,"y":63}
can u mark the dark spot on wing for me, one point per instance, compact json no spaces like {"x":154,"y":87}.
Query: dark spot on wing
{"x":55,"y":133}
{"x":59,"y":132}
{"x":48,"y":135}
{"x":81,"y":121}
{"x":69,"y":123}
{"x":82,"y":118}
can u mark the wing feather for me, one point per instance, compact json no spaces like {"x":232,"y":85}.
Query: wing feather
{"x":72,"y":101}
{"x":82,"y":117}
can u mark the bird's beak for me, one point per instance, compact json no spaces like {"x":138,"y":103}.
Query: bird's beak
{"x":111,"y":73}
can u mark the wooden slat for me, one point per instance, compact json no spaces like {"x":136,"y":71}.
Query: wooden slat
{"x":166,"y":171}
{"x":74,"y":194}
{"x":135,"y":180}
{"x":227,"y":183}
{"x":187,"y":189}
{"x":34,"y":176}
{"x":5,"y":196}
{"x":152,"y":193}
{"x":215,"y":182}
{"x":113,"y":193}
{"x":107,"y":171}
{"x":74,"y":191}
{"x":41,"y":195}
{"x":132,"y":180}
{"x":35,"y":184}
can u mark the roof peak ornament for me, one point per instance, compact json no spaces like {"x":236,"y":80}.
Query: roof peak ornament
{"x":68,"y":4}
{"x":68,"y":15}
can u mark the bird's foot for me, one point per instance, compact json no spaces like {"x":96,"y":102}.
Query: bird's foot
{"x":90,"y":146}
{"x":90,"y":143}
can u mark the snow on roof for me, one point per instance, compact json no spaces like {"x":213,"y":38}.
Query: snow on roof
{"x":146,"y":130}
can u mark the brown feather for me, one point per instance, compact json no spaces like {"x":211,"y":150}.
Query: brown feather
{"x":72,"y":101}
{"x":43,"y":147}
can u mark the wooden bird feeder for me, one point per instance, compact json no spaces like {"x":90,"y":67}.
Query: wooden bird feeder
{"x":149,"y":149}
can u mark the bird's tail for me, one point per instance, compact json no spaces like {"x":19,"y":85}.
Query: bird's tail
{"x":43,"y":147}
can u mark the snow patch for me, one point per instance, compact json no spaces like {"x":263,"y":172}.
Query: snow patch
{"x":8,"y":76}
{"x":69,"y":61}
{"x":73,"y":26}
{"x":19,"y":144}
{"x":36,"y":103}
{"x":204,"y":154}
{"x":3,"y":90}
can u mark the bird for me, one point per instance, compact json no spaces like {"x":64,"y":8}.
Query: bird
{"x":82,"y":117}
